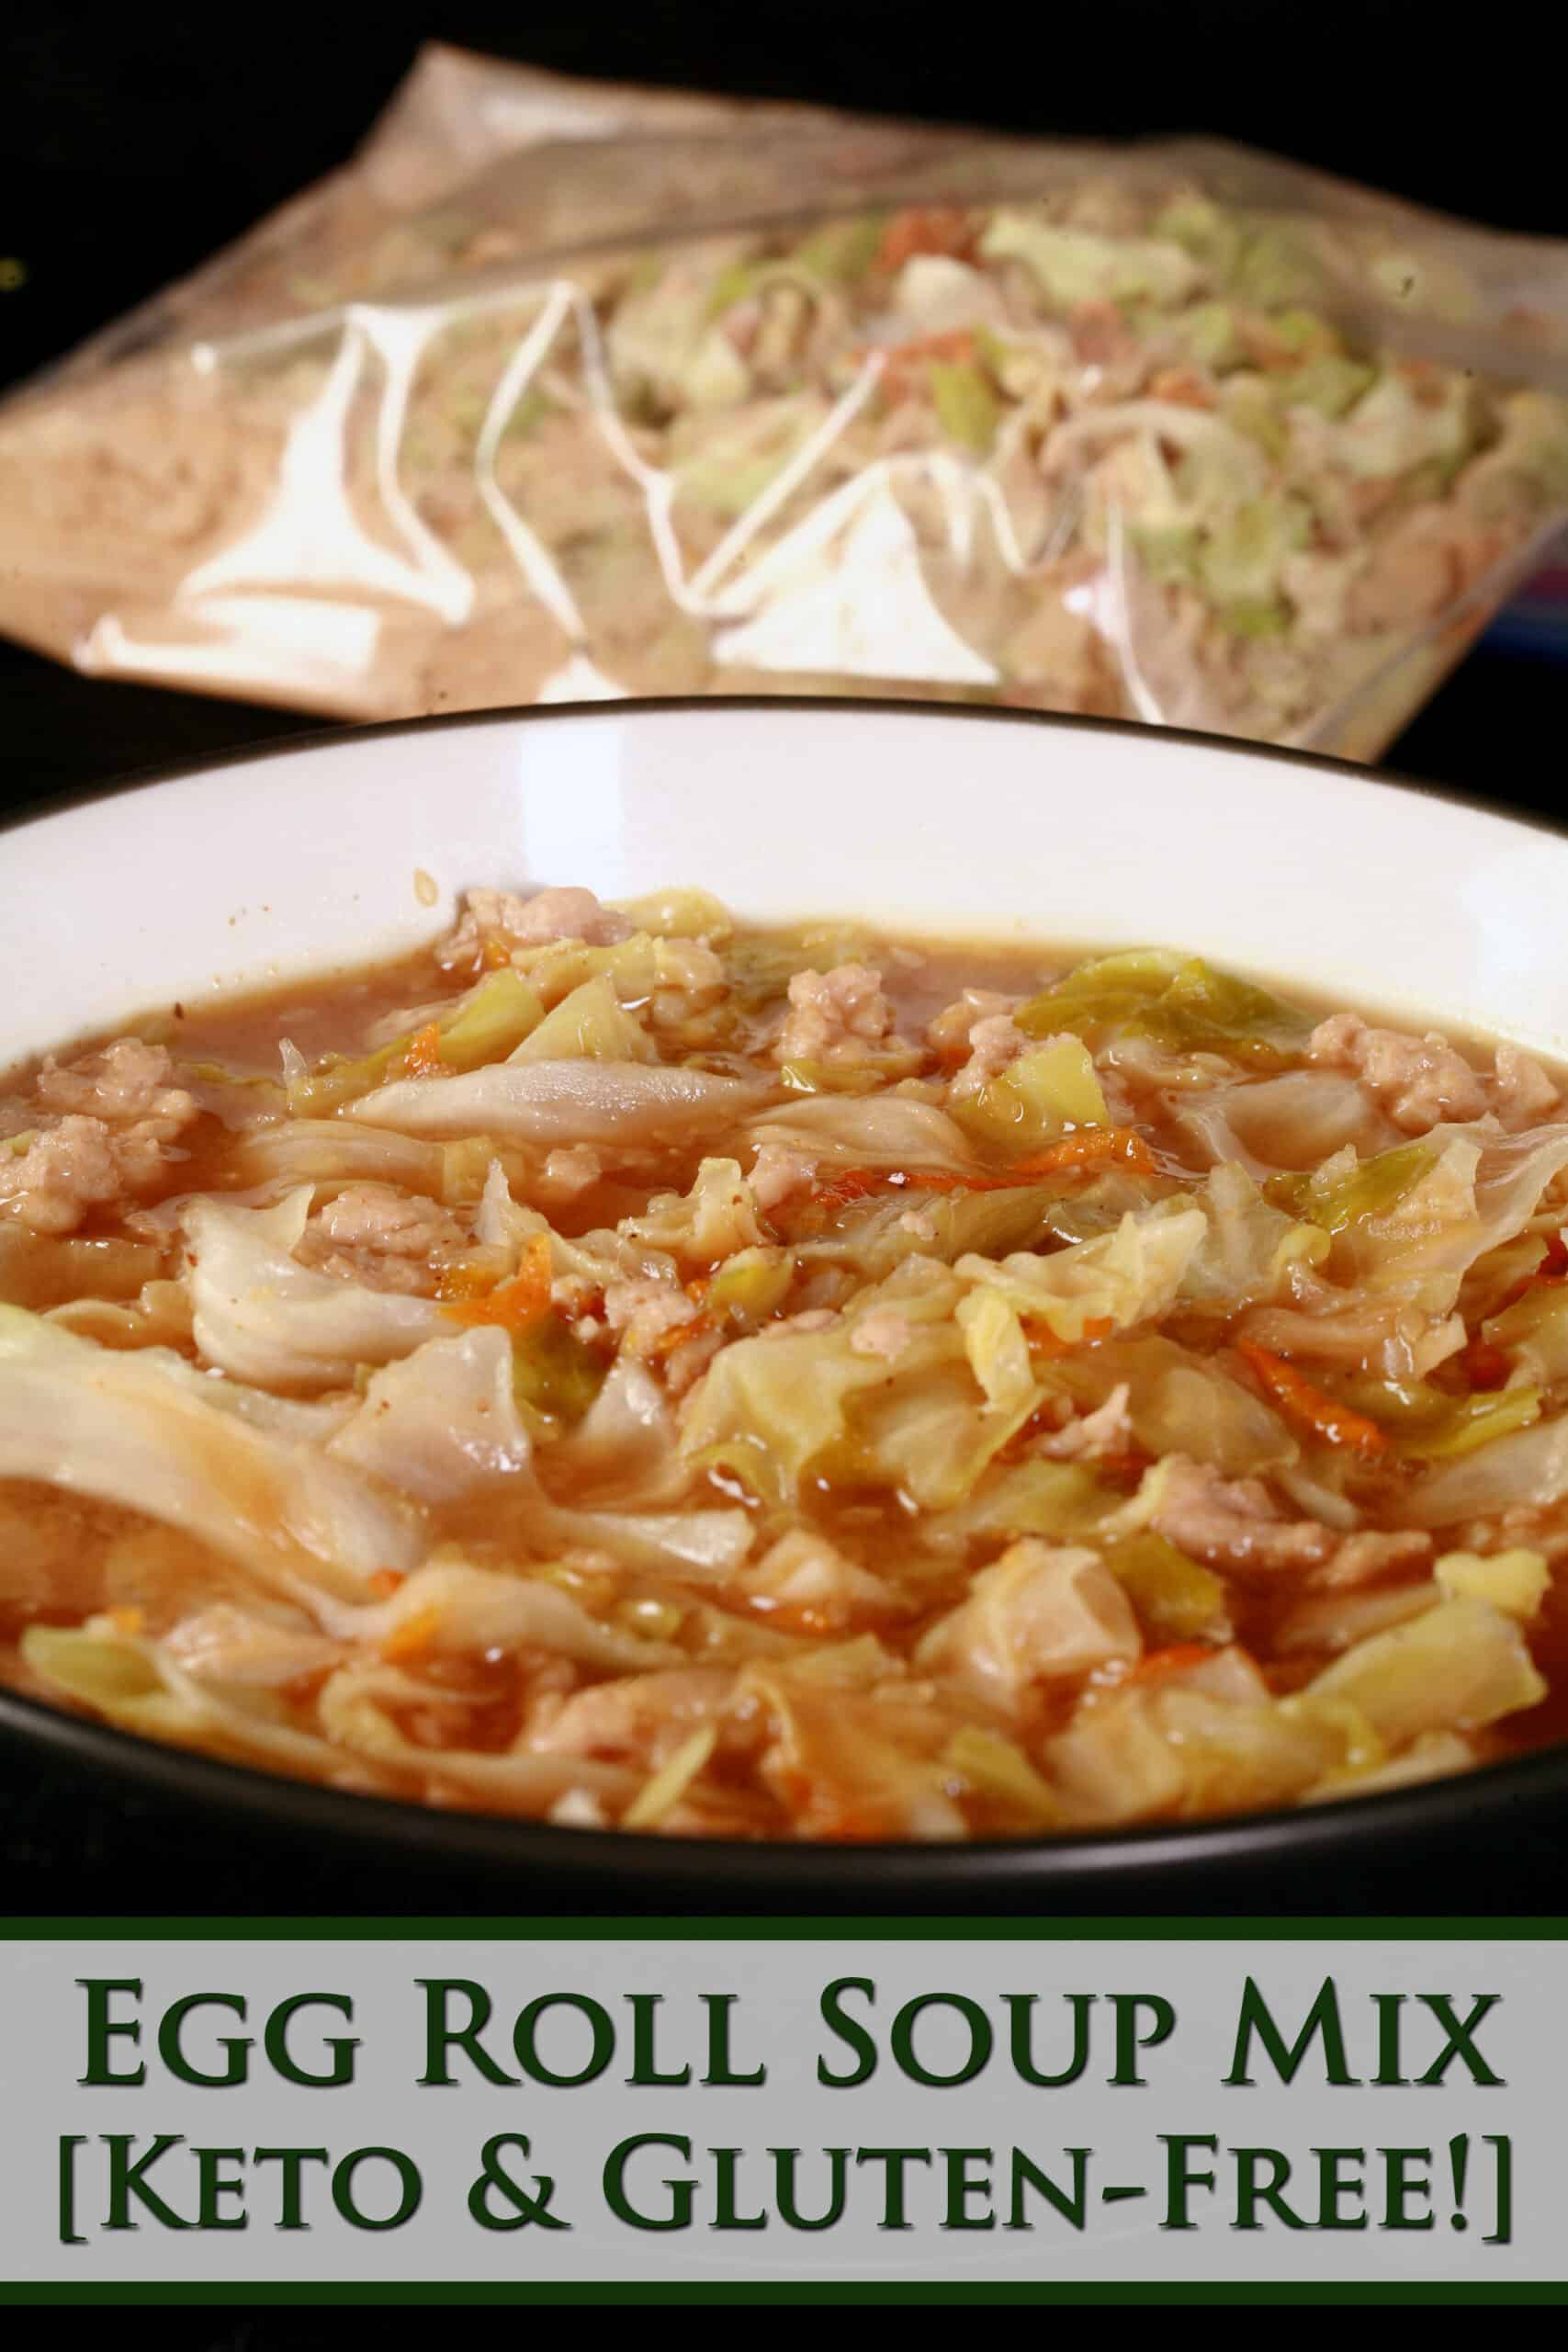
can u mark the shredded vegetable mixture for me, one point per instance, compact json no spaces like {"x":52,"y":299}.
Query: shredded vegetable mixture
{"x":1113,"y":447}
{"x":627,"y":1370}
{"x":1108,"y":451}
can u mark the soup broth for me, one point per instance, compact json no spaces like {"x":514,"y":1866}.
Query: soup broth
{"x":626,"y":1369}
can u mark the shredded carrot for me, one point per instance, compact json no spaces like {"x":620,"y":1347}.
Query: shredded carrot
{"x":1124,"y":1471}
{"x":906,"y":360}
{"x":1424,"y":379}
{"x":1312,"y":1407}
{"x":412,"y":1637}
{"x":815,"y":1621}
{"x":1484,"y":1365}
{"x":518,"y":1304}
{"x":856,"y":1184}
{"x":926,"y":229}
{"x":955,"y":342}
{"x":384,"y":1582}
{"x":1043,"y":1341}
{"x":1157,"y":1663}
{"x":129,"y":1621}
{"x":1183,"y":386}
{"x":1090,"y":1147}
{"x":675,"y":1335}
{"x":944,"y":1180}
{"x":423,"y":1056}
{"x":495,"y":953}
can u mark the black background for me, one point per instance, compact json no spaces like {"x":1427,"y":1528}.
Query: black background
{"x":133,"y":145}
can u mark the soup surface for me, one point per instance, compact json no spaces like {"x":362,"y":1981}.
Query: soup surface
{"x":625,"y":1369}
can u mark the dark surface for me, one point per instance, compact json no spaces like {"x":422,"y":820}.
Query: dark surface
{"x":1472,"y":1844}
{"x":126,"y":159}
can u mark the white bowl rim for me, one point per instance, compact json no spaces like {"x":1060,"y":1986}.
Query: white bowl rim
{"x":37,"y":808}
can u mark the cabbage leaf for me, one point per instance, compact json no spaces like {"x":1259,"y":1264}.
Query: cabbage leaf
{"x":140,"y":1428}
{"x":262,"y":1316}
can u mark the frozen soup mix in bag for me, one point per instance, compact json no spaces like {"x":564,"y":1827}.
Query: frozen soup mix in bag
{"x":1168,"y":432}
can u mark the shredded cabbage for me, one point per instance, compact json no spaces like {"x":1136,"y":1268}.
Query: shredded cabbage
{"x":589,"y":1022}
{"x":1178,"y":1002}
{"x":495,"y":1016}
{"x":260,"y":1316}
{"x":443,"y":1422}
{"x":1121,"y":1278}
{"x":562,"y":1102}
{"x":1040,"y":1096}
{"x":1006,"y":1452}
{"x":1462,"y":1664}
{"x":1074,"y":266}
{"x":140,"y":1428}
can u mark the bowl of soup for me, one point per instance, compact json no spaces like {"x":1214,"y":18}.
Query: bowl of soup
{"x":784,"y":1297}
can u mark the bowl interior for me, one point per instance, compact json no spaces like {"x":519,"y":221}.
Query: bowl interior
{"x":948,"y":823}
{"x":944,"y":821}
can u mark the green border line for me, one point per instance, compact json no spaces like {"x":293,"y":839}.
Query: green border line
{"x":471,"y":2294}
{"x":827,"y":1929}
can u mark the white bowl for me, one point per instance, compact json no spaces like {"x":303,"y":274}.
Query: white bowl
{"x":999,"y":825}
{"x":994,"y":824}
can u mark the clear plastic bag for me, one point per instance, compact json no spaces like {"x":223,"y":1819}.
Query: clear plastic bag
{"x":454,"y":117}
{"x":1170,"y":431}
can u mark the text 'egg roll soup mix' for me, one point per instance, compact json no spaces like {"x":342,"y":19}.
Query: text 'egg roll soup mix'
{"x":623,"y":1369}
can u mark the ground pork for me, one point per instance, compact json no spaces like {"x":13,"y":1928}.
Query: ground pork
{"x":884,"y":1332}
{"x":1104,"y":1431}
{"x":994,"y":1044}
{"x":1520,"y":1090}
{"x":810,"y":1318}
{"x":570,"y":1171}
{"x":837,"y":1016}
{"x":644,"y":1310}
{"x":386,"y":1239}
{"x":1542,"y":1527}
{"x":952,"y":1033}
{"x":1236,"y":1525}
{"x":1421,"y":1081}
{"x":778,"y":1172}
{"x":1418,"y":1080}
{"x":529,"y":923}
{"x":128,"y":1079}
{"x":1417,"y":568}
{"x":110,"y":1118}
{"x":80,"y":1164}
